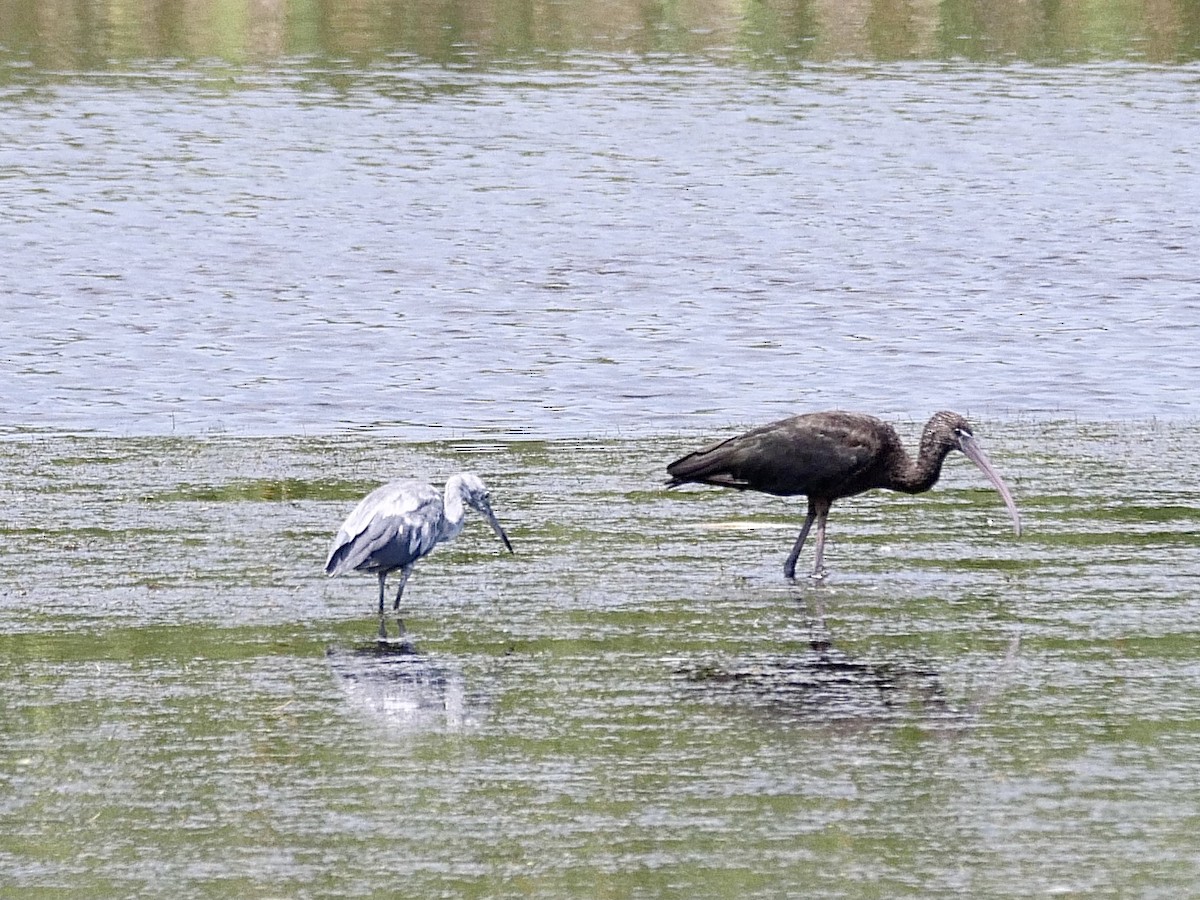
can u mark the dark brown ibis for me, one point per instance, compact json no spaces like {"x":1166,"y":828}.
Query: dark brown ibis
{"x":830,"y":455}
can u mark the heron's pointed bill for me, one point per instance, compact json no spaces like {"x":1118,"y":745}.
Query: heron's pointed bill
{"x":496,"y":526}
{"x":974,"y":453}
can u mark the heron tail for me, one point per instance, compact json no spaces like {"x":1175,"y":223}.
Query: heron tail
{"x":338,"y":561}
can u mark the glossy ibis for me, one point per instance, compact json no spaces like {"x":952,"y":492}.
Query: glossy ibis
{"x":830,"y":455}
{"x":397,"y":524}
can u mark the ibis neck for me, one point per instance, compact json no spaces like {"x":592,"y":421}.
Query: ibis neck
{"x":919,"y":475}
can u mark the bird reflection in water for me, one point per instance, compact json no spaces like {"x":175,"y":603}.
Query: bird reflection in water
{"x":399,"y":688}
{"x":827,"y":686}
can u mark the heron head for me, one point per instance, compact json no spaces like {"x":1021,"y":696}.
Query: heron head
{"x":475,"y":494}
{"x":950,"y":431}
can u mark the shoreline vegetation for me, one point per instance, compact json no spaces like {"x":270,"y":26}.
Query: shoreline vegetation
{"x":106,"y":36}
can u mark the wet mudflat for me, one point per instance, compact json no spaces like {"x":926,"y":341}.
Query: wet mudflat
{"x":635,"y":703}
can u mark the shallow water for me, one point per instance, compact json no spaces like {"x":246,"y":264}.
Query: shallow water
{"x":261,"y":257}
{"x":632,"y":704}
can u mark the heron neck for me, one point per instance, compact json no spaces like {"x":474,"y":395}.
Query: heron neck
{"x":454,"y":513}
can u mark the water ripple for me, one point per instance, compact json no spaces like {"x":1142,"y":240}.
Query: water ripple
{"x":608,"y":249}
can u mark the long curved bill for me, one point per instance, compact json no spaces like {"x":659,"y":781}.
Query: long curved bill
{"x":974,"y":453}
{"x":497,"y":527}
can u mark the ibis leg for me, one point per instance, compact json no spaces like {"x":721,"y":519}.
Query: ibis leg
{"x":789,"y":567}
{"x":822,"y":508}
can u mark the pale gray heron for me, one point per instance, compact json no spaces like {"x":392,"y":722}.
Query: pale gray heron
{"x":397,"y":524}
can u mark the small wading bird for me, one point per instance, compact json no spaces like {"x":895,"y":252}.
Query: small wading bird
{"x":397,"y":524}
{"x":830,"y":455}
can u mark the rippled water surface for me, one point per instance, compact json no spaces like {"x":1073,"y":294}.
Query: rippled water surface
{"x":606,"y":247}
{"x":635,"y":703}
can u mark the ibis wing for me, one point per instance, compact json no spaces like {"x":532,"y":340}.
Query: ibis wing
{"x":818,"y":455}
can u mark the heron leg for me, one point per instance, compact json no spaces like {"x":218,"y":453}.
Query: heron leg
{"x":822,"y":508}
{"x":382,"y":593}
{"x":789,"y":567}
{"x":404,"y":573}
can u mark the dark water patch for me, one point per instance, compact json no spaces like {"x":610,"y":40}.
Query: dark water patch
{"x":77,"y":645}
{"x":265,"y":490}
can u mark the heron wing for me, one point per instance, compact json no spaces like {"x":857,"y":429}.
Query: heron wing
{"x":391,"y":527}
